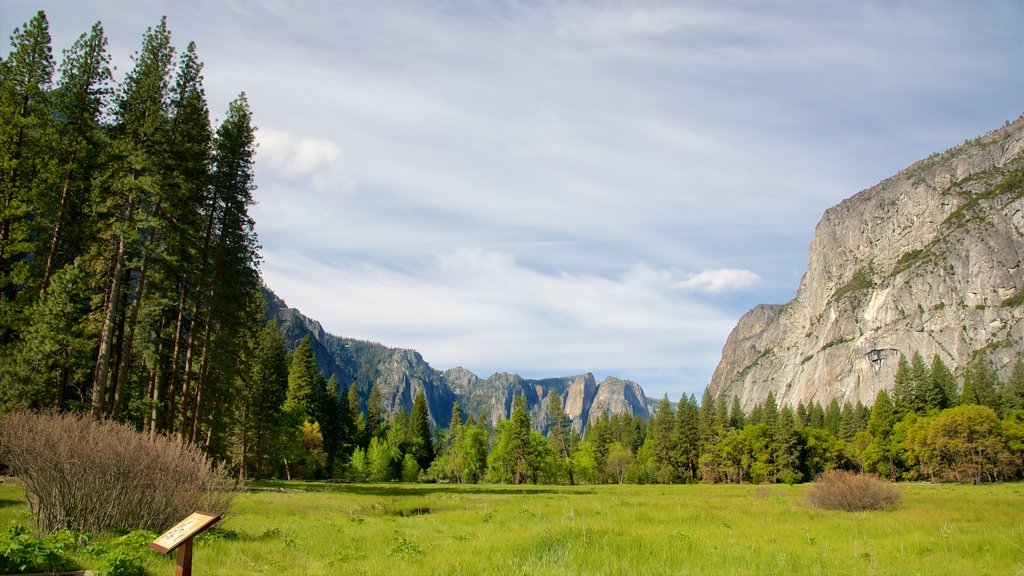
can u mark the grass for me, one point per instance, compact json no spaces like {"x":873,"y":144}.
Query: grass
{"x":698,"y":529}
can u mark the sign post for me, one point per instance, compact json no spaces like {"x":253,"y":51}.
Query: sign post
{"x":180,"y":538}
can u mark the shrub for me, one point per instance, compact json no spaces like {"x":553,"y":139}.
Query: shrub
{"x":852,"y":492}
{"x":90,"y":475}
{"x":20,"y":553}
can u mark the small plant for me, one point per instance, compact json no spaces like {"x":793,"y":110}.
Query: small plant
{"x":21,"y":552}
{"x":852,"y":492}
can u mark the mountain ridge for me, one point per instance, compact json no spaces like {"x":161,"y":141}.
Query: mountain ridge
{"x":400,"y":374}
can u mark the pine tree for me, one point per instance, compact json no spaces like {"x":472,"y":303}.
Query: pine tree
{"x":374,"y":413}
{"x":903,"y":388}
{"x":687,"y":436}
{"x":132,"y":201}
{"x":25,"y":143}
{"x":785,"y":449}
{"x":920,"y":382}
{"x":706,"y":420}
{"x":1013,"y":390}
{"x":736,"y":416}
{"x":304,"y":386}
{"x":848,"y":424}
{"x":833,"y":417}
{"x":770,"y":411}
{"x":941,"y":393}
{"x":261,"y":423}
{"x":664,"y":449}
{"x":420,"y":424}
{"x":557,"y":433}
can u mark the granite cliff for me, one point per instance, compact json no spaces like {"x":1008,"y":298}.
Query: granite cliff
{"x":926,"y":261}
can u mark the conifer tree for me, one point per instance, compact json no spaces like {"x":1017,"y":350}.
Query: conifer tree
{"x":903,"y":390}
{"x":784,"y":445}
{"x":261,"y":420}
{"x":374,"y":413}
{"x":557,"y":433}
{"x":25,"y":144}
{"x":664,"y":449}
{"x":769,"y":411}
{"x":941,"y":392}
{"x":736,"y":416}
{"x":833,"y":418}
{"x":420,"y":423}
{"x":687,"y":436}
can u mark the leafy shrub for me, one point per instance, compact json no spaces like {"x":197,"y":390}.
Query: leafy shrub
{"x":91,"y":475}
{"x":21,"y":553}
{"x":852,"y":492}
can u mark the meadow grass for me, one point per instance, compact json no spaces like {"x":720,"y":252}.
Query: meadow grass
{"x":699,"y":529}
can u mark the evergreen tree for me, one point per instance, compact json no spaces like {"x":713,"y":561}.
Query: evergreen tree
{"x":558,"y":436}
{"x":784,"y":444}
{"x":304,"y":388}
{"x":706,"y":420}
{"x":920,"y":383}
{"x":374,"y":413}
{"x":941,"y":393}
{"x":687,"y":437}
{"x":1012,"y":391}
{"x":513,"y":456}
{"x":664,"y":449}
{"x":261,"y":420}
{"x":833,"y":417}
{"x":420,"y":424}
{"x":736,"y":416}
{"x":816,"y":416}
{"x":133,"y":199}
{"x":903,"y":388}
{"x":982,"y":380}
{"x":25,"y":118}
{"x":770,"y":411}
{"x":848,"y":424}
{"x":358,"y":434}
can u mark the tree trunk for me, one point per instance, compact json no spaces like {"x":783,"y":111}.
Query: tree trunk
{"x":99,"y":387}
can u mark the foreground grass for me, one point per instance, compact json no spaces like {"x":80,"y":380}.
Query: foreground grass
{"x":431,"y":529}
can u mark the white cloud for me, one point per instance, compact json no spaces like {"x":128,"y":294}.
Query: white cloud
{"x":722,"y":280}
{"x":484,"y":310}
{"x":293,"y":157}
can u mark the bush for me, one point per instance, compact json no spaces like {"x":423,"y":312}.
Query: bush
{"x":20,"y":553}
{"x":90,"y":475}
{"x":852,"y":492}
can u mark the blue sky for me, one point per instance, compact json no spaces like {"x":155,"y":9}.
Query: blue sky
{"x":557,"y":187}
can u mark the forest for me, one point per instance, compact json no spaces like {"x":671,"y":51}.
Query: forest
{"x":129,"y":279}
{"x":130,"y":290}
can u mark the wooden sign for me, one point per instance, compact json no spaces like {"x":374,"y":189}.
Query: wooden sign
{"x":180,"y":538}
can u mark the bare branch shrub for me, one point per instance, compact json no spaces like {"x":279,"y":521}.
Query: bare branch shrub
{"x":852,"y":492}
{"x":92,"y":475}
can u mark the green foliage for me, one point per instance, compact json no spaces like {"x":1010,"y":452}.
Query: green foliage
{"x":912,"y":258}
{"x":862,"y":279}
{"x":21,"y":553}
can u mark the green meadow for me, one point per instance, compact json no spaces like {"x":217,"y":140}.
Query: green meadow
{"x":312,"y":528}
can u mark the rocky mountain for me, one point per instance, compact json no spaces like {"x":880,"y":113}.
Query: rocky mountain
{"x":928,"y":260}
{"x":400,"y":374}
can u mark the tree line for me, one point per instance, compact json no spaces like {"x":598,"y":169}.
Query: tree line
{"x":128,"y":260}
{"x":931,"y":427}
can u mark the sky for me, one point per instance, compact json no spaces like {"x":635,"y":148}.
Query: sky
{"x":558,"y":187}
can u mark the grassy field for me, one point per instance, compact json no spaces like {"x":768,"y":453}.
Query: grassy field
{"x":429,"y":529}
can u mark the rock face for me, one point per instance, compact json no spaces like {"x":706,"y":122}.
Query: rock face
{"x":400,"y":374}
{"x":928,"y":260}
